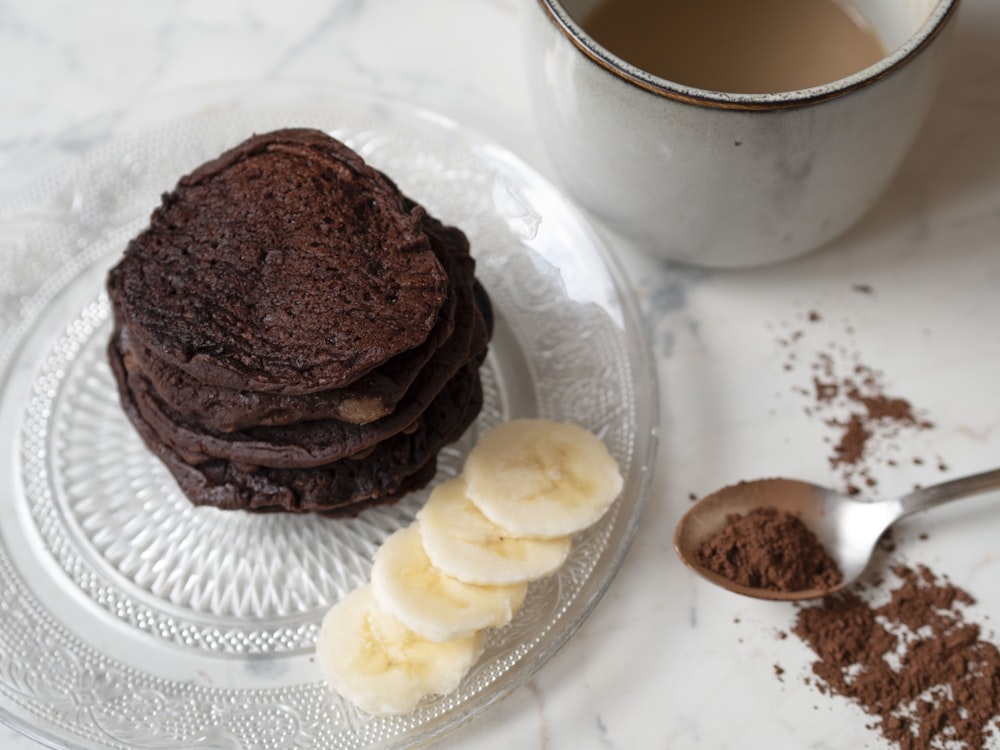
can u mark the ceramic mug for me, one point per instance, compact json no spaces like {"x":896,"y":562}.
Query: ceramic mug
{"x":729,"y":180}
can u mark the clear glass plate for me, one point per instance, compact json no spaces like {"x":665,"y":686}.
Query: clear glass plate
{"x":130,"y":618}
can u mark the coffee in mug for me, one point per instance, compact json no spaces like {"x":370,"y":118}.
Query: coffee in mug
{"x":703,"y":174}
{"x":739,"y":46}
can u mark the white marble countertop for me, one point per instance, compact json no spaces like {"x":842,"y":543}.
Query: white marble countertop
{"x":912,"y":292}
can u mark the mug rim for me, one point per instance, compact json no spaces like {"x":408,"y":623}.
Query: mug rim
{"x":914,"y":44}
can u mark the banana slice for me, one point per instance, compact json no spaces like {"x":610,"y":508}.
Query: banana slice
{"x":430,"y":602}
{"x":379,"y":664}
{"x":539,"y":478}
{"x":465,"y":544}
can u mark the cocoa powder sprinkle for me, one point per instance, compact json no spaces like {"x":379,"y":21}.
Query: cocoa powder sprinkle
{"x":850,"y":398}
{"x":929,"y":678}
{"x":914,"y":663}
{"x":851,"y":446}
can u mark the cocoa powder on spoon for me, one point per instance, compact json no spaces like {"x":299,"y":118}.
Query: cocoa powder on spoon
{"x":769,"y":549}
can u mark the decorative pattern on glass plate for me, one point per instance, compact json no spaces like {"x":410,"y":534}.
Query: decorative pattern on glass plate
{"x":129,"y":617}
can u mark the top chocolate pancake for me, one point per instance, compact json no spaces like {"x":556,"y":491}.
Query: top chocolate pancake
{"x":286,"y":265}
{"x":367,"y":399}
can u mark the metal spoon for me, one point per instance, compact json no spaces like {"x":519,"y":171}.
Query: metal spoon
{"x":848,"y":527}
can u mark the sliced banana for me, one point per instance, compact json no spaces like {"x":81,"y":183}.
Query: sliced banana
{"x":380,"y":665}
{"x":540,"y":478}
{"x":463,"y":567}
{"x":462,"y":542}
{"x":429,"y":601}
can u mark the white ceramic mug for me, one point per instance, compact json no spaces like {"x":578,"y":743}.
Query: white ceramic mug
{"x":729,"y":180}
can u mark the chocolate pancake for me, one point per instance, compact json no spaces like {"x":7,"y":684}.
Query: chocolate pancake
{"x":286,"y":265}
{"x":338,"y":488}
{"x":371,"y":397}
{"x":400,"y":464}
{"x":312,"y":442}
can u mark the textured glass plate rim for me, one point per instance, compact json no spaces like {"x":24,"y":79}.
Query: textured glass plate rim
{"x":54,"y":155}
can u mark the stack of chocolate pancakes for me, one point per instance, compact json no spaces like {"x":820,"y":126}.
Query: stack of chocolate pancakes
{"x":293,"y":333}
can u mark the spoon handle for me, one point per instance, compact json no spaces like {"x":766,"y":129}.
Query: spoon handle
{"x":955,"y":489}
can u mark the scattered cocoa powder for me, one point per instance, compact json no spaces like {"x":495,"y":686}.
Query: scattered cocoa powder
{"x":871,"y":415}
{"x":928,"y":677}
{"x":769,"y":549}
{"x":850,"y":448}
{"x":850,"y":398}
{"x":914,"y":663}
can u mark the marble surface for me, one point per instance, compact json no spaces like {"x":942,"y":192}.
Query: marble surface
{"x":911,"y":293}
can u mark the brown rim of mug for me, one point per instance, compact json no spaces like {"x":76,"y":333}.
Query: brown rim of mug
{"x":914,"y":44}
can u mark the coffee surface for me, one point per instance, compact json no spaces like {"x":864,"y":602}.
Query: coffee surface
{"x":737,"y":46}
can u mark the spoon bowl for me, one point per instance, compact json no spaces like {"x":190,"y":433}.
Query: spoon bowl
{"x":847,"y":526}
